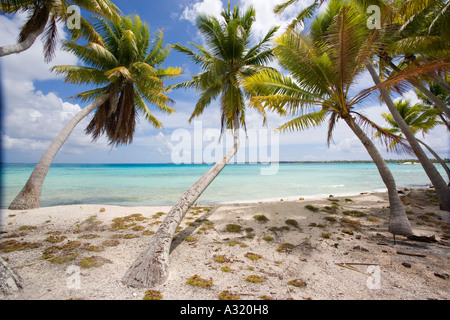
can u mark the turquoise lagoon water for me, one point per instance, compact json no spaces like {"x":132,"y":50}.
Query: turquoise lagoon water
{"x":162,"y":184}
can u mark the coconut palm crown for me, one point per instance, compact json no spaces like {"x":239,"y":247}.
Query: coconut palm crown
{"x":323,"y":67}
{"x":126,"y":68}
{"x":44,"y":15}
{"x":226,"y":60}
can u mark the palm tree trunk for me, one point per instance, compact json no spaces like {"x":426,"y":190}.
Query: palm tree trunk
{"x":10,"y":281}
{"x":430,"y":95}
{"x":30,"y":196}
{"x":151,"y":268}
{"x":442,"y":190}
{"x":22,"y":46}
{"x":440,"y":81}
{"x":437,"y":102}
{"x":439,"y":159}
{"x":398,"y":221}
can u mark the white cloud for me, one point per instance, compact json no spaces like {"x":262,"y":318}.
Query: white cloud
{"x":210,"y":7}
{"x":32,"y":119}
{"x":266,"y":19}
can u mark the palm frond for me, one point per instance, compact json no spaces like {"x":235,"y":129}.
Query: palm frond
{"x":81,"y":74}
{"x":305,"y":121}
{"x":390,"y":140}
{"x":403,"y":78}
{"x":51,"y":39}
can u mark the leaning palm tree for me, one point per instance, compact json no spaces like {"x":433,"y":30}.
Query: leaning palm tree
{"x":43,"y":18}
{"x":127,"y":72}
{"x":442,"y":94}
{"x":226,"y":62}
{"x":412,"y":74}
{"x":420,"y":119}
{"x":318,"y":89}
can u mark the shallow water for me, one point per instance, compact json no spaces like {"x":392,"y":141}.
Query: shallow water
{"x":162,"y":184}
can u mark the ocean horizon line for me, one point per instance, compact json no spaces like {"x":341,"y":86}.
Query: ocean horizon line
{"x":231,"y":163}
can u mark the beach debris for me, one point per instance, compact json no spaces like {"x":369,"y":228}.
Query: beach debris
{"x":406,"y":264}
{"x":102,"y":209}
{"x":301,"y":198}
{"x":444,"y":276}
{"x":347,"y":231}
{"x":412,"y":254}
{"x":360,"y":248}
{"x":426,"y":239}
{"x":350,"y":266}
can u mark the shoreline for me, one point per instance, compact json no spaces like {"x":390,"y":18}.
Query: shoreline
{"x":287,"y":198}
{"x":104,"y":240}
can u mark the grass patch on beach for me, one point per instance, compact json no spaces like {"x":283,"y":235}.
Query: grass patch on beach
{"x":354,"y":213}
{"x":347,"y":231}
{"x":325,"y":235}
{"x":235,"y":228}
{"x":190,"y":239}
{"x":221,"y":259}
{"x":349,"y":223}
{"x":252,"y":256}
{"x":14,"y":245}
{"x":312,"y":208}
{"x":55,"y":239}
{"x":111,"y":243}
{"x":228,"y":295}
{"x":261,"y":218}
{"x":292,"y":222}
{"x":226,"y":269}
{"x":152,"y":295}
{"x":196,"y":281}
{"x":23,"y":228}
{"x":254,"y":279}
{"x":297,"y":283}
{"x":93,"y":262}
{"x":267,"y":238}
{"x":286,"y":247}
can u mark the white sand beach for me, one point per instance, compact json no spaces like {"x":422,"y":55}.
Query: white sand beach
{"x":341,"y":251}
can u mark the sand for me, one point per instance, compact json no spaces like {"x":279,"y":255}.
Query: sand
{"x":327,"y":257}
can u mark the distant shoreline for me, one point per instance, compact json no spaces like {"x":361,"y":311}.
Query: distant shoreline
{"x":402,"y":161}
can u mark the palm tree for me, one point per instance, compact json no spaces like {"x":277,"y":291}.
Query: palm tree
{"x":43,"y":16}
{"x":411,"y":75}
{"x":442,"y":94}
{"x":322,"y":68}
{"x":127,"y":73}
{"x":226,"y":62}
{"x":419,"y":118}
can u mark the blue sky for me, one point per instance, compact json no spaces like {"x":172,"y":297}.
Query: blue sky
{"x":37,"y":103}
